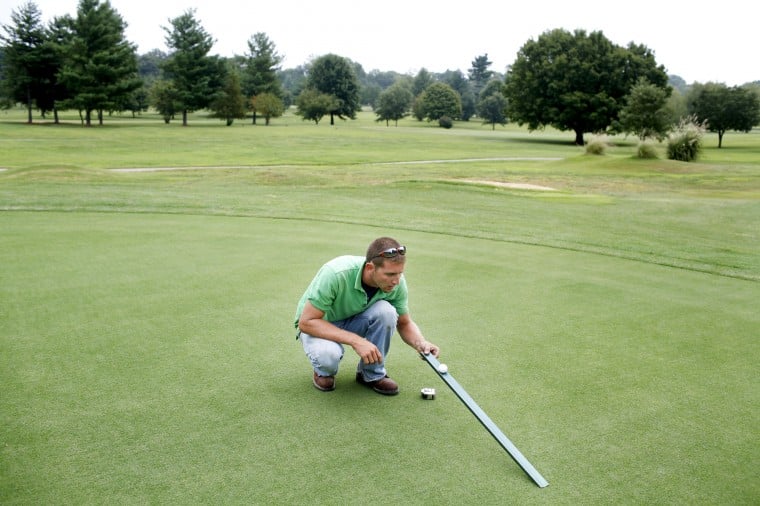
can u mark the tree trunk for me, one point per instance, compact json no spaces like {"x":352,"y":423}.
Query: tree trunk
{"x":55,"y":115}
{"x":578,"y":138}
{"x":720,"y":138}
{"x":184,"y":117}
{"x":88,"y":117}
{"x":29,"y":105}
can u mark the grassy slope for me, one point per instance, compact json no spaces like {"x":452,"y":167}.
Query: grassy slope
{"x":146,"y":358}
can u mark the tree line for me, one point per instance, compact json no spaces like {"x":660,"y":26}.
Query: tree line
{"x":573,"y":81}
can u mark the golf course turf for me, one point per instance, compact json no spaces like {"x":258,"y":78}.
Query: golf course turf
{"x":609,"y":327}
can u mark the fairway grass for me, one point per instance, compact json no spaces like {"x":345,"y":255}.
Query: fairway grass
{"x":147,"y":354}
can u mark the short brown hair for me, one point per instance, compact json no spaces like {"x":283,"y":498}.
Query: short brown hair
{"x":378,"y":246}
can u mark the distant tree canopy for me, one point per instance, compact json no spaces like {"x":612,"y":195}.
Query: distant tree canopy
{"x":572,"y":81}
{"x":576,"y":81}
{"x":421,"y":81}
{"x":723,"y":108}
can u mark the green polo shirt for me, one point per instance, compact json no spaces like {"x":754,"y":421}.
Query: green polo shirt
{"x":337,"y":291}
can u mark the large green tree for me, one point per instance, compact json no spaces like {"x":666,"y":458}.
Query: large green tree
{"x":723,"y":108}
{"x":260,"y":69}
{"x":576,"y":81}
{"x":335,"y":76}
{"x":100,"y":68}
{"x":195,"y":75}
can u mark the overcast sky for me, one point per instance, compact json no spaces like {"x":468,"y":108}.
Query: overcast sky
{"x":700,"y":42}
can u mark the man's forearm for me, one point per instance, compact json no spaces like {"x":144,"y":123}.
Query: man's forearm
{"x":326,"y":330}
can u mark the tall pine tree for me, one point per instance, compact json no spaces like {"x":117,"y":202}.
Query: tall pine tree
{"x":100,"y":71}
{"x":261,"y":65}
{"x":23,"y":57}
{"x":195,"y":75}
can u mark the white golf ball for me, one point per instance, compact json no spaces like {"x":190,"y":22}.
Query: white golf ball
{"x":443,"y":368}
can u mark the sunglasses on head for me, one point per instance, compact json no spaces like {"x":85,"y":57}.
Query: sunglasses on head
{"x":392,"y":252}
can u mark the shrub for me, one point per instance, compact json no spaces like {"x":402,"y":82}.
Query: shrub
{"x":647,"y":150}
{"x":685,"y":142}
{"x":445,"y":122}
{"x":597,"y":145}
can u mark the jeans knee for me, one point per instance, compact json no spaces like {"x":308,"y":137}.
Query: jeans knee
{"x":330,"y":357}
{"x":384,"y":313}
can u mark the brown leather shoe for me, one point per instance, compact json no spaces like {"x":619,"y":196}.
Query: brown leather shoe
{"x":324,"y":383}
{"x":385,"y":386}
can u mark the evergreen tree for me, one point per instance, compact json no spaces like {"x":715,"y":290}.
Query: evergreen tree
{"x":194,"y":74}
{"x":260,"y":69}
{"x":24,"y":58}
{"x":229,"y":103}
{"x":421,"y":81}
{"x":479,"y":74}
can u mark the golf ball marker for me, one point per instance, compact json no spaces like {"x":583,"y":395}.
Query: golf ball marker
{"x":428,"y":393}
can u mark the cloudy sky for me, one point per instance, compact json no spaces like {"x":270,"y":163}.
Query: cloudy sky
{"x":699,"y":42}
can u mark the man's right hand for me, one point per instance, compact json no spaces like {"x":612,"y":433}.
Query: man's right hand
{"x":369,"y":353}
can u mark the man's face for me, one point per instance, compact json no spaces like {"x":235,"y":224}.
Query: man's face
{"x":385,"y":277}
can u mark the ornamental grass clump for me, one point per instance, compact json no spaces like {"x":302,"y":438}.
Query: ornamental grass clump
{"x":685,"y":142}
{"x":597,"y":145}
{"x":646,"y":150}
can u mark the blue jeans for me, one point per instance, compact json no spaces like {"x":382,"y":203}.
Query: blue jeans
{"x":376,"y":324}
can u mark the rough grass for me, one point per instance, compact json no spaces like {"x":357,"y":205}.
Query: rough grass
{"x":147,"y":354}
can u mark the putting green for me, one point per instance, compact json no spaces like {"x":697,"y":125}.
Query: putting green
{"x":150,"y":358}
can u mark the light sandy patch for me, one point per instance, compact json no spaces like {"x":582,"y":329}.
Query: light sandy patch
{"x":220,"y":167}
{"x":517,"y":186}
{"x":461,"y":160}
